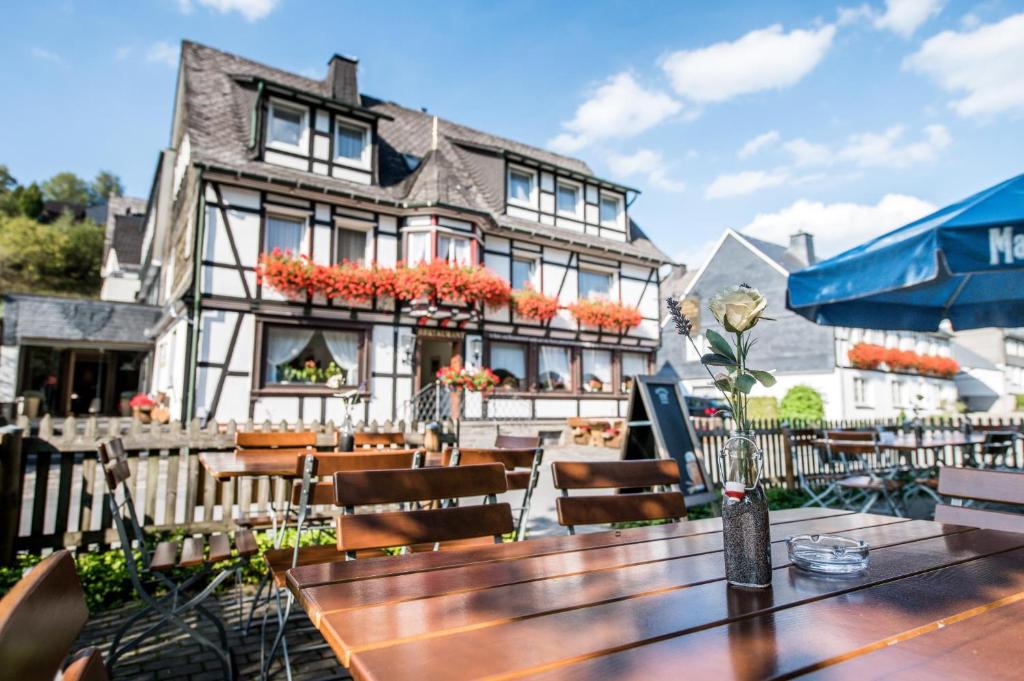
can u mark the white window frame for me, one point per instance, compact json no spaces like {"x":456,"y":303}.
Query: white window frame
{"x":452,"y":235}
{"x":354,"y":226}
{"x":860,"y":397}
{"x":302,"y":147}
{"x":429,"y":233}
{"x":534,"y":269}
{"x":364,"y":162}
{"x":613,"y":286}
{"x":620,"y":217}
{"x":290,"y":214}
{"x":577,"y":213}
{"x":534,"y":189}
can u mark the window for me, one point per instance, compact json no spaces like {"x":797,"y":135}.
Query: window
{"x":597,"y":371}
{"x":508,"y":361}
{"x":350,"y":246}
{"x":568,"y":200}
{"x":522,"y":272}
{"x":454,"y":249}
{"x":611,"y":210}
{"x":633,"y":364}
{"x":898,"y":396}
{"x":286,"y":127}
{"x":417,"y":248}
{"x":595,"y":284}
{"x":286,"y":233}
{"x":521,"y":187}
{"x":553,"y":368}
{"x":298,"y":355}
{"x":860,"y":390}
{"x":352,"y":143}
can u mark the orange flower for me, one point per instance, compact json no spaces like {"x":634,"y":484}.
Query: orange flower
{"x":606,"y":314}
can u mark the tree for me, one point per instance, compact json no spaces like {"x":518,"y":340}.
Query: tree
{"x":802,"y":403}
{"x":105,"y":185}
{"x":61,"y":257}
{"x":68,"y":188}
{"x":7,"y":181}
{"x":29,"y":201}
{"x":8,"y":187}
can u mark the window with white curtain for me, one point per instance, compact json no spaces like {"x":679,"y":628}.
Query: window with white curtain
{"x":595,"y":284}
{"x":553,"y":368}
{"x":352,"y":143}
{"x":508,"y":362}
{"x":454,"y":249}
{"x":286,"y":127}
{"x":597,"y":371}
{"x":297,"y":355}
{"x":285,"y":233}
{"x":633,"y":364}
{"x":417,"y":247}
{"x":350,"y":245}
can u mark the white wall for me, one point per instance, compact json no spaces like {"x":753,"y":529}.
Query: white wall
{"x":8,"y":372}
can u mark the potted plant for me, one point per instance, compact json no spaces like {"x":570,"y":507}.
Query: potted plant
{"x":142,"y":407}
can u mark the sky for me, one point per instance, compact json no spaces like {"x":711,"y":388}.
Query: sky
{"x":844,"y":120}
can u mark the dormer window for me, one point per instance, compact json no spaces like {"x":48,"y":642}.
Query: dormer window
{"x":287,"y":127}
{"x":611,"y":210}
{"x":352,"y":143}
{"x":522,"y":187}
{"x":570,"y":199}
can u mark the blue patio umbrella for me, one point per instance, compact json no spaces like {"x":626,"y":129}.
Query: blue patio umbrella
{"x":964,"y":263}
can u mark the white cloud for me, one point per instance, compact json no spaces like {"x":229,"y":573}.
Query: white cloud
{"x":252,"y":10}
{"x":903,"y":17}
{"x":648,"y":163}
{"x":871,"y":149}
{"x":756,"y":144}
{"x":693,"y":256}
{"x":122,"y":53}
{"x":745,"y":182}
{"x":162,"y":52}
{"x":985,"y":64}
{"x":806,"y":153}
{"x":838,"y":226}
{"x":764,"y":59}
{"x":46,"y":55}
{"x":619,"y":107}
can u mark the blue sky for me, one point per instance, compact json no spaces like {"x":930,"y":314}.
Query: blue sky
{"x":843,"y":119}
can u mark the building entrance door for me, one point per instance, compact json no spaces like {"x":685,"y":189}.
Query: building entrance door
{"x":432,"y":355}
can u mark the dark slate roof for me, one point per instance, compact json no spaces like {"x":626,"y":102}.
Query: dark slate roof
{"x":465,"y":171}
{"x":776,"y":252}
{"x":90,"y":322}
{"x":127,"y":240}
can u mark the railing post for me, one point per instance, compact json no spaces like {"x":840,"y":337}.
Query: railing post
{"x":10,"y":490}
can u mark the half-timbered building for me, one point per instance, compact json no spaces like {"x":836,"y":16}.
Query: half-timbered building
{"x":262,"y":159}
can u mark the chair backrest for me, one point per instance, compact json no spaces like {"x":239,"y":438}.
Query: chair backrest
{"x":1000,"y":440}
{"x":995,"y":428}
{"x":379,"y":439}
{"x":329,"y":463}
{"x":983,"y":485}
{"x":852,"y":435}
{"x":617,"y":508}
{"x":406,"y":528}
{"x":517,"y":441}
{"x":511,"y":459}
{"x":40,"y":618}
{"x":275,"y":440}
{"x":86,"y":666}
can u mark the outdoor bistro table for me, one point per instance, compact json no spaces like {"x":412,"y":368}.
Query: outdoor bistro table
{"x":936,"y":601}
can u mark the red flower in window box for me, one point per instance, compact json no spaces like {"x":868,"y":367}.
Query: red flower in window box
{"x":866,"y":356}
{"x":535,"y":305}
{"x":606,"y":314}
{"x":289,"y":275}
{"x":869,"y":356}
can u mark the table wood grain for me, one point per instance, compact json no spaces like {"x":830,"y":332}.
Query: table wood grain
{"x":652,"y":602}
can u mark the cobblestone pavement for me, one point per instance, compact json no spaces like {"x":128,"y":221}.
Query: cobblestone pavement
{"x":173,"y":655}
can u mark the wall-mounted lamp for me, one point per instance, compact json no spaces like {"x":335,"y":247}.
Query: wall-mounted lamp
{"x":407,"y":343}
{"x":476,"y":349}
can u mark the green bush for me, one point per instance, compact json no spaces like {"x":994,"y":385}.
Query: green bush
{"x":802,"y":403}
{"x":763,"y":408}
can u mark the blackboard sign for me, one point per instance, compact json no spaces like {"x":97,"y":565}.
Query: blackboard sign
{"x":658,"y":426}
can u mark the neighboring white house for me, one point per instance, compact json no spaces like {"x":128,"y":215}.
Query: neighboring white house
{"x":992,"y":380}
{"x":798,"y":351}
{"x":122,"y":248}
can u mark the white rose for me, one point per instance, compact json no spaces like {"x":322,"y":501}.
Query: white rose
{"x":737,"y":308}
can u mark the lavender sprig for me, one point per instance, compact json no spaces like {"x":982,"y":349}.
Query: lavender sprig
{"x":684,"y":327}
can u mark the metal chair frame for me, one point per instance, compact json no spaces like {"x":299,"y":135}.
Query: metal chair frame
{"x":523,"y":511}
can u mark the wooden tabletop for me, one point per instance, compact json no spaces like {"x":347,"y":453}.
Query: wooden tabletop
{"x":651,"y":603}
{"x":909,"y":442}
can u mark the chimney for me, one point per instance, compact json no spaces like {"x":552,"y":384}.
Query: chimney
{"x":341,"y":74}
{"x":801,"y":247}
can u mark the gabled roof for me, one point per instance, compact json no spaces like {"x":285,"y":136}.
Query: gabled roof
{"x":464,"y":169}
{"x":92,"y":323}
{"x":773,"y":254}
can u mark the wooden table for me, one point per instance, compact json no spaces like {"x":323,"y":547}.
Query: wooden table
{"x":908,"y":443}
{"x":223,"y":466}
{"x":650,"y":603}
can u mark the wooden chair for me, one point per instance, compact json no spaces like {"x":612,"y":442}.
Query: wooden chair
{"x":1005,"y":487}
{"x":617,"y":508}
{"x":516,"y":441}
{"x":278,"y":443}
{"x":40,"y":619}
{"x":999,"y":448}
{"x":385,"y":440}
{"x":796,"y":439}
{"x":862,"y":490}
{"x":151,"y":572}
{"x":522,"y":469}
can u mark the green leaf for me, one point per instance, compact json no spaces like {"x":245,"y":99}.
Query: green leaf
{"x":719,"y":344}
{"x":763,"y":377}
{"x":715,"y":360}
{"x":744,"y":382}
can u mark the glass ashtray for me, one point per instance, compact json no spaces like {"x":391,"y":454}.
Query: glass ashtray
{"x":828,"y":554}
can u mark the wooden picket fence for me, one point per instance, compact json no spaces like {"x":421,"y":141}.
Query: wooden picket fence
{"x":53,"y":496}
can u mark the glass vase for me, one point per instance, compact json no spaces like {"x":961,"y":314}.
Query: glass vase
{"x":745,"y":529}
{"x":346,"y":435}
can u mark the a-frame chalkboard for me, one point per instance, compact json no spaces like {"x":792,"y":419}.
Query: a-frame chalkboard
{"x":658,"y":426}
